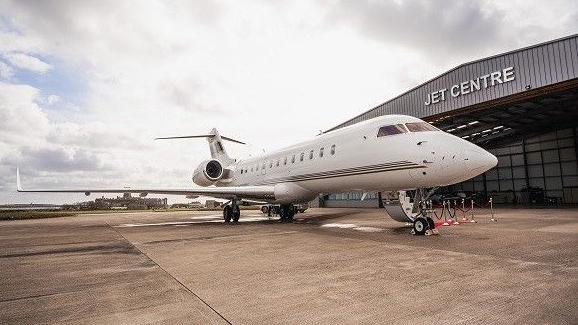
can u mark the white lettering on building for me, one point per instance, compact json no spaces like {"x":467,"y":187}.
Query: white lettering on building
{"x":470,"y":86}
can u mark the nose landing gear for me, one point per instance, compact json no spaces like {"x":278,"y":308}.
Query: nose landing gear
{"x":414,"y":209}
{"x":421,"y":225}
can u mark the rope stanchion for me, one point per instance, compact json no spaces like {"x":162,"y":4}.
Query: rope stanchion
{"x":449,"y":211}
{"x":493,"y":219}
{"x":473,"y":220}
{"x":446,"y":222}
{"x":464,"y":218}
{"x":456,"y":222}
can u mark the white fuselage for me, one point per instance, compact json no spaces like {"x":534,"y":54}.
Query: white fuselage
{"x":356,"y":159}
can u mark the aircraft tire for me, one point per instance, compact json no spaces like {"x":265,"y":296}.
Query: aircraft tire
{"x":236,"y":213}
{"x":420,"y":225}
{"x":290,"y":213}
{"x":227,"y":213}
{"x":265,"y":209}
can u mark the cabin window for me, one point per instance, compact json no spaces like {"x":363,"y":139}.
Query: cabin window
{"x":302,"y":155}
{"x":293,"y":159}
{"x":285,"y":161}
{"x":271,"y":164}
{"x":310,"y":154}
{"x":277,"y":164}
{"x":321,"y":152}
{"x":241,"y":171}
{"x":332,"y":149}
{"x":391,"y":130}
{"x":420,"y":127}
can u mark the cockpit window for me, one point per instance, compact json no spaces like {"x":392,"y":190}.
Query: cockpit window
{"x":420,"y":127}
{"x":391,"y":130}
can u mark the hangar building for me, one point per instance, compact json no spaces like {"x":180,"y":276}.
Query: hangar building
{"x":521,"y":105}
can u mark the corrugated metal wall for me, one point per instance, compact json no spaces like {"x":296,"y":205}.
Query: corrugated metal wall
{"x":536,"y":66}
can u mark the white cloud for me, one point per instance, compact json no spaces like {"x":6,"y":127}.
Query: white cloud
{"x":22,"y":121}
{"x":52,"y":99}
{"x":6,"y":72}
{"x":28,"y":62}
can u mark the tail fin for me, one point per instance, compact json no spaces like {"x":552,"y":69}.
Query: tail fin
{"x":215,"y":145}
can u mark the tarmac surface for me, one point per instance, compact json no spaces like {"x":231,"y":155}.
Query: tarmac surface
{"x":329,"y":266}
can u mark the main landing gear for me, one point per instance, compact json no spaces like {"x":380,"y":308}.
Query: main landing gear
{"x":286,"y":212}
{"x":231,"y":212}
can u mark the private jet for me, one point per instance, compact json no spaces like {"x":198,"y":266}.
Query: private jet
{"x":392,"y":153}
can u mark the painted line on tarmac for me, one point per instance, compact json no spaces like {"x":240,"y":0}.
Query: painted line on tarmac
{"x":351,"y":226}
{"x":185,"y":223}
{"x":212,"y":216}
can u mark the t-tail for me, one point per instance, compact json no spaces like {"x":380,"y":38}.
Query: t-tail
{"x":215,"y":145}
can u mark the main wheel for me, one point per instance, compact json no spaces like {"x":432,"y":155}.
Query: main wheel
{"x":236,"y":214}
{"x":420,"y":225}
{"x":290,"y":213}
{"x":227,"y":213}
{"x":265,"y":209}
{"x":282,"y":213}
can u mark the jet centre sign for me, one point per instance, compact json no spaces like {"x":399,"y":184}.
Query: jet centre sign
{"x":470,"y":86}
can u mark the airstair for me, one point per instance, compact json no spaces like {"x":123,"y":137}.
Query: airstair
{"x":400,"y":206}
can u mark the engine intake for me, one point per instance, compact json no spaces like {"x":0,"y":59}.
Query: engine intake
{"x":214,"y":170}
{"x":208,"y":172}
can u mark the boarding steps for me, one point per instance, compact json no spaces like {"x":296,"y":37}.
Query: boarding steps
{"x":399,"y":206}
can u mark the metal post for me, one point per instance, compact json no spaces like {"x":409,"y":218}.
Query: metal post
{"x":464,"y":219}
{"x":493,"y":219}
{"x":446,"y":223}
{"x":456,"y":222}
{"x":472,"y":210}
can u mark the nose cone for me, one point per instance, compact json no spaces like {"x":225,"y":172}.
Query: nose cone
{"x":482,"y":161}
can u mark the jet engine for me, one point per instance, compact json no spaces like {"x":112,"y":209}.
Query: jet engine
{"x":208,"y":173}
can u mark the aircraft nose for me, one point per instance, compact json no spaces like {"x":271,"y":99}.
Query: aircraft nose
{"x":482,"y":161}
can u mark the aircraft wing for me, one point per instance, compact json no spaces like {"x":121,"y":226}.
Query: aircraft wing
{"x":238,"y":192}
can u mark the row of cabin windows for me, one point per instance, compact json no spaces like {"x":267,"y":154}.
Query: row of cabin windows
{"x":301,"y":158}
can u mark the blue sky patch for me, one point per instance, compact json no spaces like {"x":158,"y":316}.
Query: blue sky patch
{"x":62,"y":80}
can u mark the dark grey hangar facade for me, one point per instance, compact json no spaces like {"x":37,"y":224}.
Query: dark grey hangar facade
{"x":522,"y":106}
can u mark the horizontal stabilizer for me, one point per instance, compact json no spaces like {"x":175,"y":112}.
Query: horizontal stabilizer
{"x":201,"y":136}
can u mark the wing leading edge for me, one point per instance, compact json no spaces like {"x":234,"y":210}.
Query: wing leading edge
{"x":238,"y":192}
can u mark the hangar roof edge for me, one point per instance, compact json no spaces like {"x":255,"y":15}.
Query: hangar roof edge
{"x":450,"y":71}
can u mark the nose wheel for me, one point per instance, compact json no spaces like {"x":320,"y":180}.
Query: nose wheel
{"x":421,"y":225}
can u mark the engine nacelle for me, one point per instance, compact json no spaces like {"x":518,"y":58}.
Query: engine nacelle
{"x":208,"y":173}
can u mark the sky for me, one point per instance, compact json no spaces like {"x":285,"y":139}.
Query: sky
{"x":85,"y":86}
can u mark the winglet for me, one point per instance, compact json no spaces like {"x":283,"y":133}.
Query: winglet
{"x":18,"y":186}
